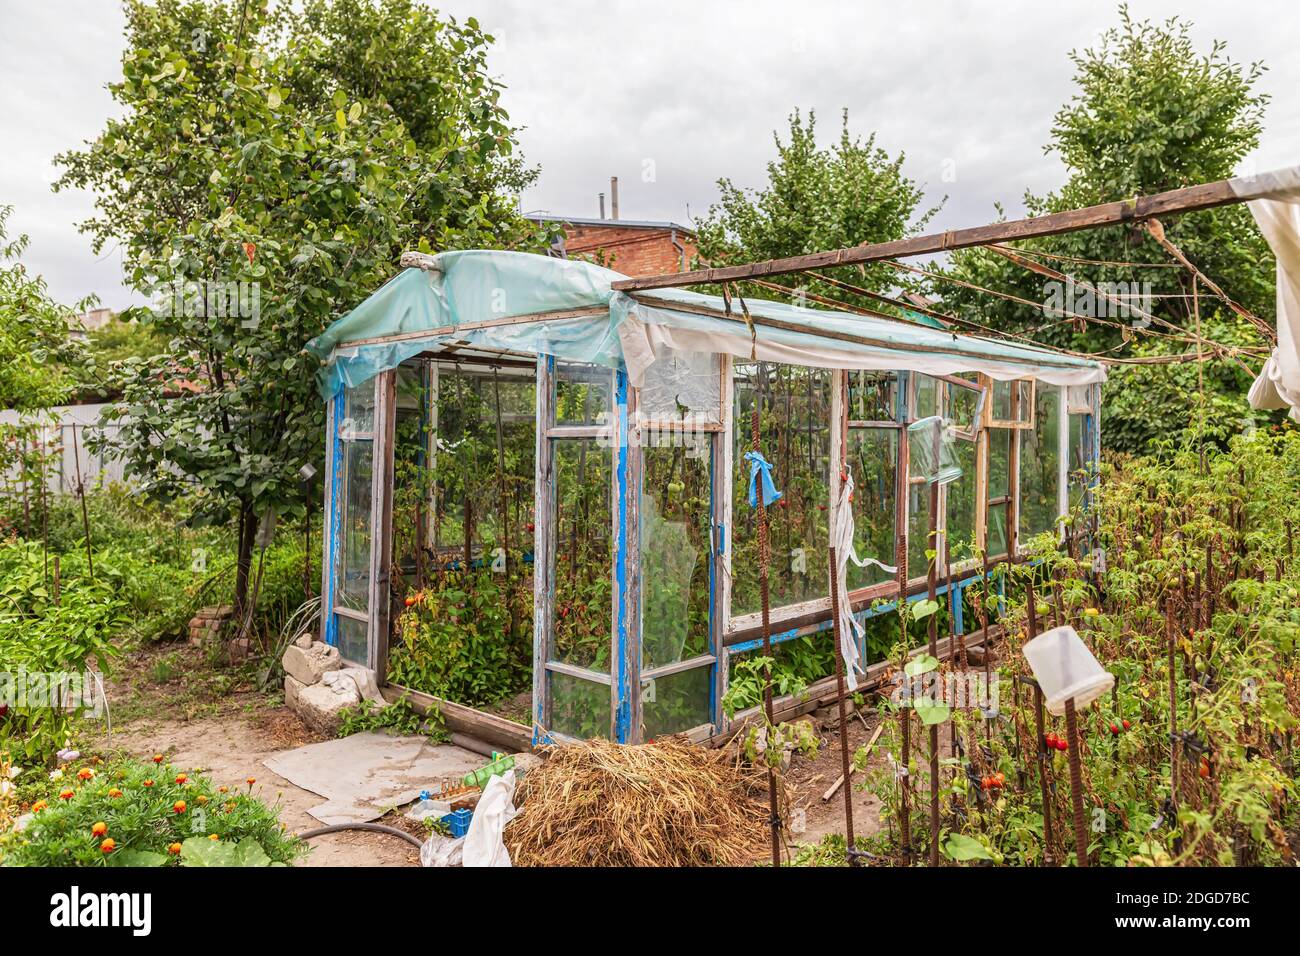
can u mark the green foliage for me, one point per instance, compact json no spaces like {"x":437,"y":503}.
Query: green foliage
{"x":152,"y":817}
{"x":1151,"y":112}
{"x":814,"y":199}
{"x":37,"y":355}
{"x":452,"y":642}
{"x":1163,"y":521}
{"x":267,"y":168}
{"x":399,"y":716}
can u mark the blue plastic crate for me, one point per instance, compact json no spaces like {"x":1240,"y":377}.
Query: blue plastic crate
{"x":458,"y":822}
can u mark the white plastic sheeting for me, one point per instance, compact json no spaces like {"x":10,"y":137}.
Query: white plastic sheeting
{"x":851,"y":630}
{"x":567,"y":309}
{"x":1278,"y":217}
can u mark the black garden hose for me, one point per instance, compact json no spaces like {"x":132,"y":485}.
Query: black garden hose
{"x":377,"y":827}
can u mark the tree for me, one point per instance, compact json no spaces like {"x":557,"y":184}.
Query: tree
{"x":269,"y":167}
{"x":1151,"y":113}
{"x":37,"y":355}
{"x":816,"y":199}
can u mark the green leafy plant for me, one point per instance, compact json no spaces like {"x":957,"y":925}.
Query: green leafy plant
{"x":137,"y":813}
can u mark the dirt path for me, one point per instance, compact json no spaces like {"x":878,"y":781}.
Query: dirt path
{"x":228,"y":737}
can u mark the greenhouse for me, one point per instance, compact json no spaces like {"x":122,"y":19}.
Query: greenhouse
{"x":539,"y":486}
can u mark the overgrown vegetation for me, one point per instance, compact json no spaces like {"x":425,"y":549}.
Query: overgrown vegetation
{"x":1197,"y":604}
{"x":147,"y":813}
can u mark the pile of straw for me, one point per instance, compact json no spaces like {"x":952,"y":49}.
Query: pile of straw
{"x":669,"y":803}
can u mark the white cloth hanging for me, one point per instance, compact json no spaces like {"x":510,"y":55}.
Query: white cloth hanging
{"x":1278,"y":218}
{"x":851,"y":631}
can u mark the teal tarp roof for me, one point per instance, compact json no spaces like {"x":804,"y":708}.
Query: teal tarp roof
{"x":470,"y":297}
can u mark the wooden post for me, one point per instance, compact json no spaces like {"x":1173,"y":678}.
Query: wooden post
{"x":764,"y":557}
{"x":931,"y":593}
{"x":1076,"y":784}
{"x":85,"y":517}
{"x":1040,"y":748}
{"x":900,"y":559}
{"x":841,"y":665}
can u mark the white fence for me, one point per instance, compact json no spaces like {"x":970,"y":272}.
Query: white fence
{"x":66,"y":427}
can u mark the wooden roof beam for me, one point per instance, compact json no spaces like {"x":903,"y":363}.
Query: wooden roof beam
{"x":1175,"y":201}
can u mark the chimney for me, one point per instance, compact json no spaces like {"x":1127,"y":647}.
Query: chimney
{"x":613,"y":197}
{"x":602,"y":205}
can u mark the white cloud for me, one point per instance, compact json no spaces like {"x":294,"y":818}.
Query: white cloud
{"x":697,"y":88}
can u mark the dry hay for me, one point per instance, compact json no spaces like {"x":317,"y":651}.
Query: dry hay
{"x":669,"y":803}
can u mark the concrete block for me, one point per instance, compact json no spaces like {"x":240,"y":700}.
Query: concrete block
{"x":310,"y":664}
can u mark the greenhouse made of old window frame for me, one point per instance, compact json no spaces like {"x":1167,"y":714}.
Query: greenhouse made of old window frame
{"x":505,"y":412}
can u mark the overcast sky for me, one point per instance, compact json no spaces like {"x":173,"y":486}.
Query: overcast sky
{"x":670,"y":96}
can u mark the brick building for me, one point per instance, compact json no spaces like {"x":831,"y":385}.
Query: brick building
{"x":631,"y":246}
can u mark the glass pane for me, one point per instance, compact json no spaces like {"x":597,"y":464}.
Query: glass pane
{"x":583,"y":553}
{"x":999,"y":440}
{"x":582,"y":394}
{"x":1078,"y":460}
{"x":678,"y":702}
{"x":412,"y":472}
{"x":675,"y":552}
{"x":1040,"y":457}
{"x":359,"y":413}
{"x":579,"y":708}
{"x":918,"y":531}
{"x":961,"y":504}
{"x":352,"y":574}
{"x":997,"y":531}
{"x":873,"y":461}
{"x":352,"y":640}
{"x":927,"y":396}
{"x":962,"y":407}
{"x":873,"y":396}
{"x":1001,"y":399}
{"x":682,"y":387}
{"x":478,"y":503}
{"x":795,"y":437}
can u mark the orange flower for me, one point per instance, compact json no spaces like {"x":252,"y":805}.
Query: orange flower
{"x":99,"y":829}
{"x":146,"y":783}
{"x":178,"y":806}
{"x":201,"y":799}
{"x":157,"y":758}
{"x":213,"y":836}
{"x":65,"y":794}
{"x":174,"y":849}
{"x":181,"y":778}
{"x":108,"y":846}
{"x":85,"y":773}
{"x":38,"y":806}
{"x":115,"y":792}
{"x":223,"y":789}
{"x":251,"y":781}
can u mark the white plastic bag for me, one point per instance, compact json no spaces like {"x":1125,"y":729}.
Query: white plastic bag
{"x":496,"y":808}
{"x":441,"y":850}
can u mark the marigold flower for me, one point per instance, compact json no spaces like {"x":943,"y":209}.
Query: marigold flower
{"x":223,"y":789}
{"x":201,"y":799}
{"x":251,"y":781}
{"x":99,"y":829}
{"x":174,"y":849}
{"x":157,"y":758}
{"x":178,"y":806}
{"x":38,"y":806}
{"x":65,"y":794}
{"x":182,"y":777}
{"x":85,"y":773}
{"x":213,"y":836}
{"x":108,"y":846}
{"x":114,"y":792}
{"x":146,"y":783}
